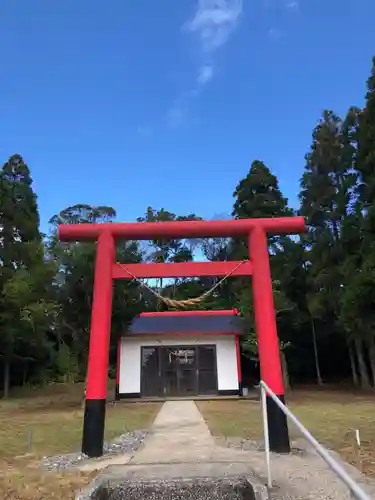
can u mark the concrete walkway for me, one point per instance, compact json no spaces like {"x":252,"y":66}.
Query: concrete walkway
{"x":179,"y":434}
{"x":180,"y":445}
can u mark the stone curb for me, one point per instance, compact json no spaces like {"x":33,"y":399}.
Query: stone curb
{"x":102,"y":485}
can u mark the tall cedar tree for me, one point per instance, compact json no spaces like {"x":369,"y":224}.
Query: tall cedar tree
{"x":328,"y":201}
{"x":258,"y":195}
{"x":19,"y":223}
{"x":359,"y":297}
{"x":323,"y":203}
{"x":366,"y":153}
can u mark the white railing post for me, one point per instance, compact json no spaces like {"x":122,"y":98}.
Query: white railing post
{"x":355,"y":489}
{"x":266,"y":435}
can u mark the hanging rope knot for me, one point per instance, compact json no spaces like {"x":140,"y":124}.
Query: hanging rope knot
{"x":187,"y":302}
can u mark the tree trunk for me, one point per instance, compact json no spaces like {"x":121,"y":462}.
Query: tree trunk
{"x":316,"y":357}
{"x":353,"y":365}
{"x":365,"y":381}
{"x":371,"y":350}
{"x":6,"y":377}
{"x":284,"y":368}
{"x":24,"y":373}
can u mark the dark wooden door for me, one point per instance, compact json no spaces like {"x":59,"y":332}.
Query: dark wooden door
{"x":207,"y":370}
{"x":151,"y":381}
{"x":178,"y":371}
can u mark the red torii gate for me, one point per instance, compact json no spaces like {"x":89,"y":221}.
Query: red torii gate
{"x":106,"y":269}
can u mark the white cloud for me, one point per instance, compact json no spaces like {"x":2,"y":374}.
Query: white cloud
{"x":205,"y":74}
{"x":212,"y":24}
{"x":292,"y":5}
{"x":214,"y":21}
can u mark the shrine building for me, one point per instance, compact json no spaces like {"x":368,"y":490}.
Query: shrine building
{"x":180,"y":354}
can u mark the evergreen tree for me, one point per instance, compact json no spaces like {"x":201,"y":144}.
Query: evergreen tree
{"x":366,"y":154}
{"x":258,"y":195}
{"x":358,"y":298}
{"x":328,"y":200}
{"x":19,"y":216}
{"x":21,"y":255}
{"x":31,"y":313}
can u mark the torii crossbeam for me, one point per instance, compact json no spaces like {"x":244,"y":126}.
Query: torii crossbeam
{"x":106,"y":269}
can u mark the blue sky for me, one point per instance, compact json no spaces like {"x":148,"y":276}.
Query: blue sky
{"x":131,"y":103}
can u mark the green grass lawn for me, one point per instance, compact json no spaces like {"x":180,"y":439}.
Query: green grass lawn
{"x":331,"y":416}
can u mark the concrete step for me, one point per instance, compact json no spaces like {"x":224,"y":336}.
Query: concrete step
{"x":216,"y":481}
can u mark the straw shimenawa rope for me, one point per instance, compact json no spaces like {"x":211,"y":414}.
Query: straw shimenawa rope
{"x":187,"y":302}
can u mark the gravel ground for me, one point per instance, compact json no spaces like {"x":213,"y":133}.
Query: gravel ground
{"x":245,"y":444}
{"x":239,"y":443}
{"x":126,"y":443}
{"x":180,"y":489}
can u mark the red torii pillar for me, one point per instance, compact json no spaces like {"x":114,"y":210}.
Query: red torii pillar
{"x":106,"y":270}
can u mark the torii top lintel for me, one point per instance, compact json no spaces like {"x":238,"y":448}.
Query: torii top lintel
{"x":181,"y":229}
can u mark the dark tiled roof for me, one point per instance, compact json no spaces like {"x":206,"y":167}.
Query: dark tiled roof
{"x":149,"y":325}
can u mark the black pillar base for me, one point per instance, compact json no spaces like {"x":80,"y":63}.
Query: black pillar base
{"x":240,"y":388}
{"x":93,"y":427}
{"x":277,"y":426}
{"x":117,"y":392}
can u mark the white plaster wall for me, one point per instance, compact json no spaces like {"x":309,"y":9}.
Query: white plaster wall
{"x":130,"y":362}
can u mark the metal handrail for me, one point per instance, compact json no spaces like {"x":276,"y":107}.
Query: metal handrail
{"x":322,"y":452}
